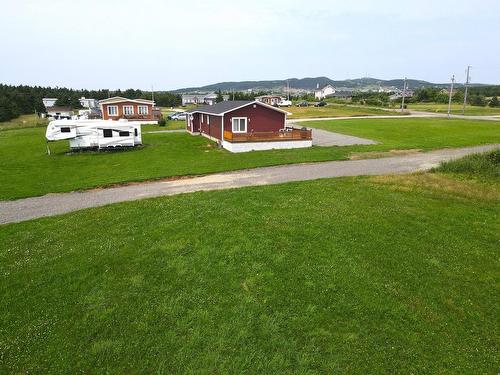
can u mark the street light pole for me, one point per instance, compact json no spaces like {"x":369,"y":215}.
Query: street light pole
{"x":451,"y":94}
{"x":404,"y":94}
{"x":466,"y":89}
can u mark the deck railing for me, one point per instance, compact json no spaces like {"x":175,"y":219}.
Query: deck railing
{"x":282,"y":135}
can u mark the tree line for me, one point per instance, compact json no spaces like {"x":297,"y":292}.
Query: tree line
{"x":23,"y":99}
{"x":478,"y":95}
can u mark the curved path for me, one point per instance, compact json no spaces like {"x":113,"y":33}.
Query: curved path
{"x":412,"y":114}
{"x":60,"y":203}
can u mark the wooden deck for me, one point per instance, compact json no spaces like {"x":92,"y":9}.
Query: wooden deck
{"x":285,"y":135}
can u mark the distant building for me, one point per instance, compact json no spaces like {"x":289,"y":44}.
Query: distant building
{"x":324,"y":92}
{"x":59,"y":112}
{"x":269,"y":99}
{"x":89,"y":103}
{"x":49,"y":102}
{"x":202,"y":98}
{"x":141,"y":110}
{"x":399,"y":94}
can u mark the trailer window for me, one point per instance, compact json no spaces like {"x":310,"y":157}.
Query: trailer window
{"x":107,"y":133}
{"x":135,"y":132}
{"x":124,"y":134}
{"x":65,"y":130}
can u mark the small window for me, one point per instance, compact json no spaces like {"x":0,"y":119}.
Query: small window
{"x":124,"y":134}
{"x":239,"y":124}
{"x":107,"y":133}
{"x":112,"y":110}
{"x":136,"y":133}
{"x":142,"y":109}
{"x":65,"y":130}
{"x":128,"y":110}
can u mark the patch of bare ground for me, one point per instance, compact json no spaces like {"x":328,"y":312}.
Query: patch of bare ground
{"x":441,"y":184}
{"x":382,"y":154}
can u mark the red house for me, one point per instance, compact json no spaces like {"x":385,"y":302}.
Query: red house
{"x":131,"y":109}
{"x":241,"y":126}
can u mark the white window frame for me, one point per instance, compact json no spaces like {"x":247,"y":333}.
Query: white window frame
{"x":140,"y":110}
{"x":116,"y":110}
{"x":125,"y":112}
{"x":239,"y":118}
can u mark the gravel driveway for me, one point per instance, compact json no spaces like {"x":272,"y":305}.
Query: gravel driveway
{"x":55,"y":204}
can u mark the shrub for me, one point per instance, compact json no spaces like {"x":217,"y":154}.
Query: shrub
{"x":486,"y":164}
{"x":162,"y":122}
{"x":494,"y":102}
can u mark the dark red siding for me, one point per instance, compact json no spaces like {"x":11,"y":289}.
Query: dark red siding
{"x":260,"y":118}
{"x":212,"y":128}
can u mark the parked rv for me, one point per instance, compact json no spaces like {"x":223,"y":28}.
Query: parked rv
{"x":95,"y":134}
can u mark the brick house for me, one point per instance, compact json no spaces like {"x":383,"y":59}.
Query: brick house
{"x":141,"y":110}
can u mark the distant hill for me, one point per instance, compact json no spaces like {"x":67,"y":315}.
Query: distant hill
{"x":310,"y":83}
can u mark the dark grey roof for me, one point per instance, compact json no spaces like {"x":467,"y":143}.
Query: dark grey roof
{"x":220,"y":108}
{"x":59,"y":109}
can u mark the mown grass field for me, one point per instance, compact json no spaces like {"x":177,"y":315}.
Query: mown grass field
{"x":24,"y":121}
{"x":455,"y":109}
{"x":170,"y":125}
{"x":415,"y":133}
{"x":334,"y":110}
{"x":382,"y":275}
{"x":27,"y":170}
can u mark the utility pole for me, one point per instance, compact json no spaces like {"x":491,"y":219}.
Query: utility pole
{"x":404,"y":94}
{"x":451,"y":94}
{"x":467,"y":82}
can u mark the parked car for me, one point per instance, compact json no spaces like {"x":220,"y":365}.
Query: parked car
{"x":320,"y":104}
{"x":285,"y":103}
{"x":302,"y":104}
{"x":177,"y":116}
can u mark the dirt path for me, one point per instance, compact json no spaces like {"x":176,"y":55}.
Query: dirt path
{"x":60,"y":203}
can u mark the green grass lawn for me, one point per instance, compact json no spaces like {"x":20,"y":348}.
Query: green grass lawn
{"x":383,"y":275}
{"x":170,"y":125}
{"x":26,"y":170}
{"x":415,"y":133}
{"x":455,"y":109}
{"x":334,"y":110}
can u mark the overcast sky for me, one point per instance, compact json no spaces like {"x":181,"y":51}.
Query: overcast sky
{"x":172,"y":44}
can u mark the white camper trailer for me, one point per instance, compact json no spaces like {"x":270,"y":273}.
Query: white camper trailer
{"x":98,"y":134}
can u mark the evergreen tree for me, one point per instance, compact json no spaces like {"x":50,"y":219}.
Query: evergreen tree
{"x":219,"y":98}
{"x":494,"y":102}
